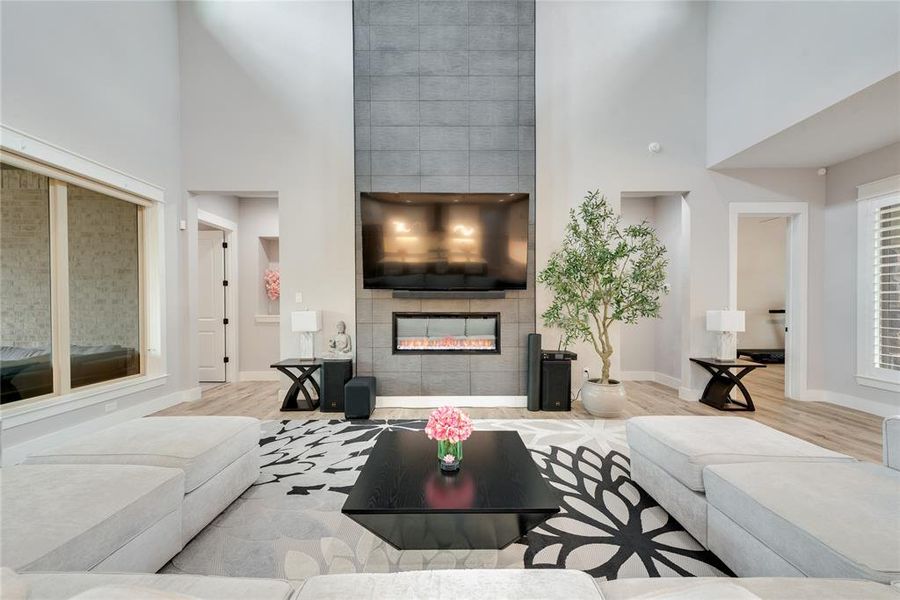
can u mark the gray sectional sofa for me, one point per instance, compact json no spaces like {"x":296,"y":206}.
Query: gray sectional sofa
{"x":127,"y":498}
{"x":769,"y":504}
{"x":496,"y":584}
{"x":94,"y":519}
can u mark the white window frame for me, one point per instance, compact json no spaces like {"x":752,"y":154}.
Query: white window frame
{"x":27,"y":152}
{"x":870,"y":198}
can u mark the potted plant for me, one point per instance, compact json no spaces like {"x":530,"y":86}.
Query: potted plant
{"x":603,"y":273}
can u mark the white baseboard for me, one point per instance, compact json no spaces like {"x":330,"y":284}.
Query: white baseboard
{"x":660,"y":378}
{"x":636,"y":376}
{"x":258,"y":376}
{"x":461,"y":401}
{"x":691,"y":395}
{"x":815,"y":396}
{"x":16,"y":454}
{"x":875,"y":407}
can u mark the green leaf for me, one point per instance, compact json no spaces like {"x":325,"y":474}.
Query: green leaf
{"x":603,"y":273}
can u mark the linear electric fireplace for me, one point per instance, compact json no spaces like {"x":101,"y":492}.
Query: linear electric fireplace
{"x":446,"y":333}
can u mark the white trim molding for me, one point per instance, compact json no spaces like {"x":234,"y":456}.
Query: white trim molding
{"x":871,"y":197}
{"x":874,"y":407}
{"x":654,"y":376}
{"x":460,"y":401}
{"x":689,"y":394}
{"x":232,"y":308}
{"x":14,"y":416}
{"x":37,"y":149}
{"x":882,"y":187}
{"x":64,"y":165}
{"x":796,"y":344}
{"x":16,"y":454}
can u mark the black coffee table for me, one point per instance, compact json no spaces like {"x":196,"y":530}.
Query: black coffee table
{"x":497,"y":496}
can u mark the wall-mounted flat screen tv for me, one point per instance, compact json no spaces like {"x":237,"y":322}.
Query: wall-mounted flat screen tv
{"x":444,"y":242}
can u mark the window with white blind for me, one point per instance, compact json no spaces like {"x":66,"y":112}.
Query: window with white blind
{"x":878,"y":350}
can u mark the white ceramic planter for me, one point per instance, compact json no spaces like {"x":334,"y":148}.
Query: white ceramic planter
{"x":605,"y":400}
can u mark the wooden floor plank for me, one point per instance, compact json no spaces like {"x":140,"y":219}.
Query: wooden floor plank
{"x":835,"y":427}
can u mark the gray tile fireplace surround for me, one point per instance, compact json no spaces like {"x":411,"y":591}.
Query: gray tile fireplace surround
{"x":444,"y":102}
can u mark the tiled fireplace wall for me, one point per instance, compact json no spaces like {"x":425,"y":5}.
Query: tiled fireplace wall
{"x":444,"y":102}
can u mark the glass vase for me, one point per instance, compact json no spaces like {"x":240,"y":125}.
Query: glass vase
{"x":449,"y":455}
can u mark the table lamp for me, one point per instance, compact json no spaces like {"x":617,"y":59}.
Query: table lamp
{"x":306,"y":323}
{"x":727,"y":323}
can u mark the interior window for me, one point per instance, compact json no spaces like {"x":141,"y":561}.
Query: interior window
{"x":26,"y":365}
{"x":71,"y":283}
{"x":887,"y":287}
{"x":104,"y":287}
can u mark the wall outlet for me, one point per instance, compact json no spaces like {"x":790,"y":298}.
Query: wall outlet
{"x":111,"y":406}
{"x":298,"y":297}
{"x":585,"y":374}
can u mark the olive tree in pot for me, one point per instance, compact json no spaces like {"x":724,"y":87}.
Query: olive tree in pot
{"x":603,"y":273}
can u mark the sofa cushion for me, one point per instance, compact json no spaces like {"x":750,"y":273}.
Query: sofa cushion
{"x":826,"y":519}
{"x":520,"y":584}
{"x":770,"y":588}
{"x":12,"y":585}
{"x":199,"y":446}
{"x":683,"y":445}
{"x":129,"y":592}
{"x":62,"y":586}
{"x":71,"y":517}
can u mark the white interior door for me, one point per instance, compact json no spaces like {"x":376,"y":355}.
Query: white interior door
{"x":211,"y":305}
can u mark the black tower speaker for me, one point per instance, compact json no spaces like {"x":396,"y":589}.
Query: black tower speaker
{"x":556,"y":383}
{"x":335,"y":374}
{"x":533,"y":389}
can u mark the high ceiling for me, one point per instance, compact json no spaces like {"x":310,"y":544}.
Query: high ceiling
{"x":866,"y":121}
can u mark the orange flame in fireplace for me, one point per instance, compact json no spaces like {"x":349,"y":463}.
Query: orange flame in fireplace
{"x":445,"y":343}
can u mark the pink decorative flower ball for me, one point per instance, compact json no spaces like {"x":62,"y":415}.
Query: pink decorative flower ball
{"x":449,"y":424}
{"x":272,"y":282}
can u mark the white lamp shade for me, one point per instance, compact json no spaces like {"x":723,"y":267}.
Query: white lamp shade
{"x":305,"y":321}
{"x":725,"y":320}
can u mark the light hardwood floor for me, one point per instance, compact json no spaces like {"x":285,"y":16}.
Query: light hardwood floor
{"x":842,"y":429}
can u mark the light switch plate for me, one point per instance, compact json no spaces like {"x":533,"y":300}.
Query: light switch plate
{"x":298,"y":297}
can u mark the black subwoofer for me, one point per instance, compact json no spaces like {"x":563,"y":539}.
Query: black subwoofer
{"x":556,"y":379}
{"x":359,"y":398}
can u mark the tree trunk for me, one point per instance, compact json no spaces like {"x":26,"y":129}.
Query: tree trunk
{"x":607,"y":351}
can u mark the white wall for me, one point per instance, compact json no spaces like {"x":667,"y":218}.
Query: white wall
{"x":224,"y":206}
{"x":840,"y":281}
{"x":773,"y":64}
{"x":639,"y":339}
{"x":671,"y":227}
{"x":101,"y":79}
{"x":613,"y":77}
{"x":651,"y":348}
{"x":259,"y":344}
{"x":762,"y":278}
{"x":267,"y":105}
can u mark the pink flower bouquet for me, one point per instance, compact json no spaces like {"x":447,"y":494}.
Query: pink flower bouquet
{"x":450,"y":427}
{"x":272,"y":281}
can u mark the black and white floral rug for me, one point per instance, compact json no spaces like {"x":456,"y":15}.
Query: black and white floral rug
{"x":289,"y":525}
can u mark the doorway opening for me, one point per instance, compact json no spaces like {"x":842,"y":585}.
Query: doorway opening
{"x":236,"y":295}
{"x":657,"y":349}
{"x":762,"y":296}
{"x":767,"y":280}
